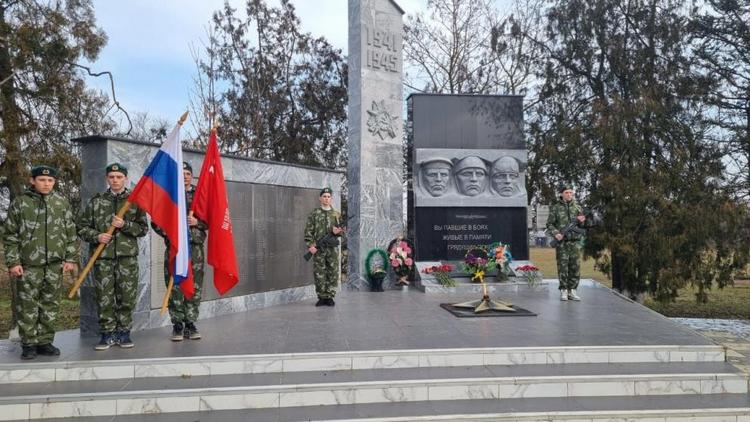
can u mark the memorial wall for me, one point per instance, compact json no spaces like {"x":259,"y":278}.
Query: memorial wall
{"x":269,"y":204}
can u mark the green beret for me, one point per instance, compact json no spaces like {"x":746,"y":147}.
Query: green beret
{"x":43,"y":171}
{"x":118,"y":168}
{"x":187,"y":166}
{"x":565,"y":186}
{"x":326,"y":190}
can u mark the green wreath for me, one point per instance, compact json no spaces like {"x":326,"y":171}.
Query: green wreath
{"x":368,"y":260}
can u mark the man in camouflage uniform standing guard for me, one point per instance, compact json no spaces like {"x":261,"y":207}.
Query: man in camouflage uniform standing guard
{"x":40,"y":244}
{"x":116,"y":270}
{"x":183,"y":311}
{"x":322,"y":221}
{"x":567,"y":250}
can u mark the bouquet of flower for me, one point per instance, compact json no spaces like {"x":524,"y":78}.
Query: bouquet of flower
{"x":477,"y":263}
{"x":530,"y":273}
{"x":441,"y":273}
{"x":500,"y":254}
{"x":401,"y":260}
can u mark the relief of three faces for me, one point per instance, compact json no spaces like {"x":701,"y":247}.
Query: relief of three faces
{"x":472,"y":176}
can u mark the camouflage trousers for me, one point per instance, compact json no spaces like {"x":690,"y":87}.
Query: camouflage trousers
{"x":568,"y":257}
{"x":326,"y":272}
{"x":182,"y":309}
{"x":38,"y":303}
{"x":116,"y":291}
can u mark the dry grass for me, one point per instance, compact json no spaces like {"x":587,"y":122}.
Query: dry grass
{"x":544,"y":258}
{"x":68,"y":318}
{"x":727,"y":303}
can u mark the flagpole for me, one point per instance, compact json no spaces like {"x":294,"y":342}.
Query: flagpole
{"x":97,"y":252}
{"x":165,"y":302}
{"x":110,"y":231}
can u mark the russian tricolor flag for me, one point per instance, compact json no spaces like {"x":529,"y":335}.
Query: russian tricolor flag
{"x":161,"y":193}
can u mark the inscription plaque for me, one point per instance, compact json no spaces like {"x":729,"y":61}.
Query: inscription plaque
{"x":447,"y":233}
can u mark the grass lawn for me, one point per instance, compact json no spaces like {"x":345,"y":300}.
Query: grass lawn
{"x":544,"y":258}
{"x":727,"y":303}
{"x":69,"y":316}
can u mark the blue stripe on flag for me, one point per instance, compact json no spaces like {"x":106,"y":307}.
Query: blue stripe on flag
{"x":162,"y":171}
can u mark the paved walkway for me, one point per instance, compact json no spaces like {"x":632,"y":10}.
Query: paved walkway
{"x":738,"y":348}
{"x":400,"y":320}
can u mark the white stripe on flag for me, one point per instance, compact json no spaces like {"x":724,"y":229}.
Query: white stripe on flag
{"x":173,"y":148}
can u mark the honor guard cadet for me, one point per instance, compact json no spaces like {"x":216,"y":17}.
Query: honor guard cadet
{"x":116,"y":270}
{"x":40,"y":244}
{"x":565,"y":223}
{"x":182,"y":311}
{"x":321,"y":237}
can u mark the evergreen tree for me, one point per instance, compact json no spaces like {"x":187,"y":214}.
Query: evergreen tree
{"x":621,"y":114}
{"x":722,"y":42}
{"x":44,"y":101}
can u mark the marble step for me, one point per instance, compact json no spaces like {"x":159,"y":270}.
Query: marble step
{"x":165,"y":400}
{"x":39,"y":371}
{"x":678,"y":408}
{"x":362,"y":375}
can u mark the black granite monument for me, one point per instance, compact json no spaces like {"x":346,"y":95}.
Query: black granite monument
{"x":467,"y":161}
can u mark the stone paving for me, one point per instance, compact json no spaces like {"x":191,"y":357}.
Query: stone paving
{"x":732,"y":334}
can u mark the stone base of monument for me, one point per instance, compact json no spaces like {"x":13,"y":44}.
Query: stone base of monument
{"x":427,"y":283}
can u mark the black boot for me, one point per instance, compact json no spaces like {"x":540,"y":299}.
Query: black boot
{"x":191,"y":332}
{"x":28,"y":353}
{"x":47,"y":350}
{"x":330,"y":302}
{"x":124,"y":340}
{"x":321,"y":302}
{"x":108,"y":340}
{"x":177,"y":332}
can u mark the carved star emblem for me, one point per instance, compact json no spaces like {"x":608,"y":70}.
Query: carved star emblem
{"x":381,"y":122}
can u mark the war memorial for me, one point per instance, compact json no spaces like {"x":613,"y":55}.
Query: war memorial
{"x":268,"y":354}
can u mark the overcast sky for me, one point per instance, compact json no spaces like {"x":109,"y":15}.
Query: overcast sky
{"x":149,"y":45}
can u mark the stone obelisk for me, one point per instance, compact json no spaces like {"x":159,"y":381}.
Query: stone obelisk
{"x":376,"y":124}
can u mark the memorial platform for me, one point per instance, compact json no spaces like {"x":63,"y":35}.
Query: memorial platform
{"x":392,"y":356}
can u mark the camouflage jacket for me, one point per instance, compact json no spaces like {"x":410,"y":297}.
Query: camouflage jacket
{"x":197,"y":232}
{"x":97,"y":216}
{"x":39,"y":230}
{"x":560,"y":215}
{"x":319,"y":223}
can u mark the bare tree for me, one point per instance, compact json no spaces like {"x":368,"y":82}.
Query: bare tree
{"x":448,"y":50}
{"x":517,"y":46}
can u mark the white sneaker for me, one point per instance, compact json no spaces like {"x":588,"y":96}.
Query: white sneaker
{"x":572,"y":295}
{"x":564,"y":295}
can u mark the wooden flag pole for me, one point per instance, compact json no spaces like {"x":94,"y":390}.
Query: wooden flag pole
{"x":165,"y":302}
{"x":97,"y":252}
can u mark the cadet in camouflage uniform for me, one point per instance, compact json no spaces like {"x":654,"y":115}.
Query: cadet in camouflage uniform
{"x":326,"y":272}
{"x":116,"y":270}
{"x":567,"y":251}
{"x":182,"y":311}
{"x":40,"y":244}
